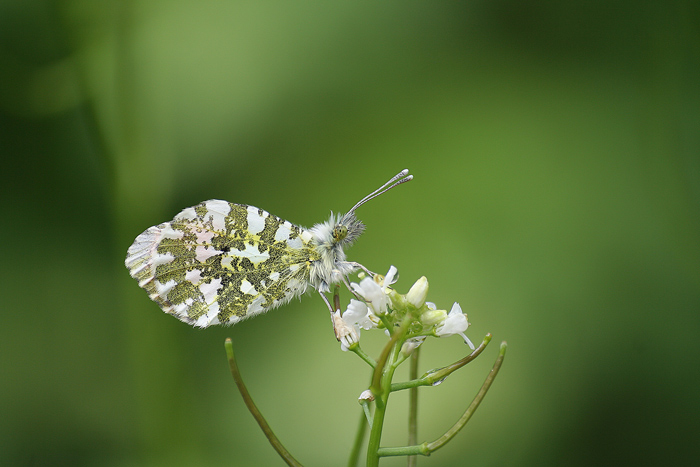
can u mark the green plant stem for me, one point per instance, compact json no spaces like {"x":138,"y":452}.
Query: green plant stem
{"x":360,"y":353}
{"x":433,"y":376}
{"x":367,"y":411}
{"x":379,"y":369}
{"x":386,"y":322}
{"x":274,"y":441}
{"x":381,"y":400}
{"x":413,"y":407}
{"x":402,"y":358}
{"x":336,"y":298}
{"x":357,"y":445}
{"x":449,"y":434}
{"x":425,"y":449}
{"x":381,"y":387}
{"x":411,"y":451}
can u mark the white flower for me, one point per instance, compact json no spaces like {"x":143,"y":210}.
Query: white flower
{"x":455,"y":323}
{"x":346,"y":333}
{"x":375,"y":294}
{"x":347,"y":327}
{"x":359,"y":315}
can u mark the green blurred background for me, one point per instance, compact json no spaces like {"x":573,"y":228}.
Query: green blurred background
{"x":556,"y":150}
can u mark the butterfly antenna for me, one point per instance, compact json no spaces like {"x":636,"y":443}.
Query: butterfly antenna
{"x":401,"y":177}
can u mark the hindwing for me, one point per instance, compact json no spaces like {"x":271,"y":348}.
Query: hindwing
{"x":220,"y":262}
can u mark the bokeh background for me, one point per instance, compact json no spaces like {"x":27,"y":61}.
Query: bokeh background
{"x":556,"y":150}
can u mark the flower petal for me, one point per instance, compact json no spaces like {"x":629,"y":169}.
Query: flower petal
{"x":455,"y":323}
{"x":390,"y":277}
{"x":358,"y":314}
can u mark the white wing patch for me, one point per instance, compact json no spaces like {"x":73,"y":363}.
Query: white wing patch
{"x":256,"y":222}
{"x":252,"y":253}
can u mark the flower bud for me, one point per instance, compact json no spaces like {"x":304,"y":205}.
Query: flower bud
{"x":416,"y":296}
{"x":430,"y":317}
{"x":410,"y":345}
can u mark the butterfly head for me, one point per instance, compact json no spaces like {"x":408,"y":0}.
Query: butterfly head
{"x":343,"y":230}
{"x":346,"y":230}
{"x":339,"y":231}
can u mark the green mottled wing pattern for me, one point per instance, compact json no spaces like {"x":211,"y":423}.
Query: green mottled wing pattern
{"x":220,"y":262}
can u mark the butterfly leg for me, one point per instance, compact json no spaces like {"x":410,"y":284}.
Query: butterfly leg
{"x":347,"y":284}
{"x":340,"y":329}
{"x":358,"y":265}
{"x":325,"y":299}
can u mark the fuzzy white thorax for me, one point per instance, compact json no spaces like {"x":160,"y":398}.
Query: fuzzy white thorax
{"x":332,"y":266}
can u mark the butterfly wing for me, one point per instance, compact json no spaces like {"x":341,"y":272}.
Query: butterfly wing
{"x":220,"y":262}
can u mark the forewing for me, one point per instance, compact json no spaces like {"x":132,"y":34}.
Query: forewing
{"x":220,"y":262}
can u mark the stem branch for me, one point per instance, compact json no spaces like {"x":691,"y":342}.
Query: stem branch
{"x":413,"y":407}
{"x":433,"y":376}
{"x":357,"y":445}
{"x":276,"y":444}
{"x":449,"y":434}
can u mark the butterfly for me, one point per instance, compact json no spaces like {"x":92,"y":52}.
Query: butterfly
{"x":220,"y":262}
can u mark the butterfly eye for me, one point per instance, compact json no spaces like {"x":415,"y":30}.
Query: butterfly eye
{"x":340,"y":231}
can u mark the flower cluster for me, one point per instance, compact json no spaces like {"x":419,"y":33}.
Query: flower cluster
{"x":381,"y":307}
